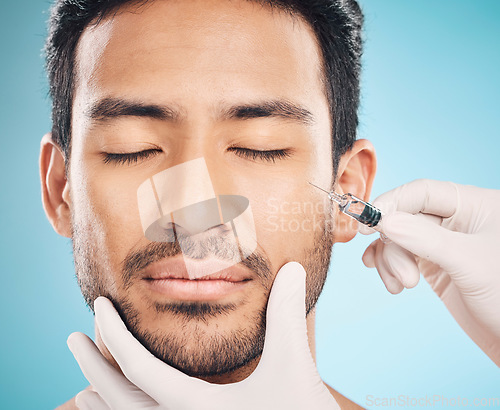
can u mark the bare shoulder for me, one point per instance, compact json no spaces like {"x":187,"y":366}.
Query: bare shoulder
{"x":69,"y":405}
{"x":344,"y":402}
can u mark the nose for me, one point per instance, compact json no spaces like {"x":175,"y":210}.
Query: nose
{"x":180,"y":202}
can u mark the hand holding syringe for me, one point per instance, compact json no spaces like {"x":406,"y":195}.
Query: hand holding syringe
{"x":357,"y":209}
{"x":447,"y":232}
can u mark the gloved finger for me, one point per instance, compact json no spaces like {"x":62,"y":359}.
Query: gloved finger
{"x":368,"y":257}
{"x":286,"y":315}
{"x":90,"y":400}
{"x":427,"y":240}
{"x":422,"y":195}
{"x":111,"y":385}
{"x":392,"y":284}
{"x":402,"y":265}
{"x":151,"y":375}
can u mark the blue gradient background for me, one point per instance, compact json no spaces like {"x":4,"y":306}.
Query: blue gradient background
{"x":429,"y":104}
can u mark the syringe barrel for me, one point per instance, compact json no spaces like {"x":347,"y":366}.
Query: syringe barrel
{"x":362,"y":211}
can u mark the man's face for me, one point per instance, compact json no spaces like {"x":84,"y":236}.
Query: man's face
{"x":197,"y":59}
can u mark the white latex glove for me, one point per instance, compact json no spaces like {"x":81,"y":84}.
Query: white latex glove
{"x":285,"y":378}
{"x":451,"y":234}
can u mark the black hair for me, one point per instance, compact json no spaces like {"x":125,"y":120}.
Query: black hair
{"x":337,"y":25}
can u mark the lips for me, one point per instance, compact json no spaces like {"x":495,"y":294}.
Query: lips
{"x":172,"y":279}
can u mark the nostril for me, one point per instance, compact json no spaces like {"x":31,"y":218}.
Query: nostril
{"x":220,"y":228}
{"x":166,"y":224}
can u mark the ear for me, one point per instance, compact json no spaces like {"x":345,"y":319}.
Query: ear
{"x":355,"y":175}
{"x":55,"y":186}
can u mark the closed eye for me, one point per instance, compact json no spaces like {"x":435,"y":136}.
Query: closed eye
{"x":129,"y":157}
{"x":270,"y":155}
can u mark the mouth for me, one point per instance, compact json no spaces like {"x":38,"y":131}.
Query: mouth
{"x":184,"y":279}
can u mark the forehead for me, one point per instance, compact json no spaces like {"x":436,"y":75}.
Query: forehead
{"x":204,"y":49}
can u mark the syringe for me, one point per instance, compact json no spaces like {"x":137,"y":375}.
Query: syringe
{"x":355,"y":207}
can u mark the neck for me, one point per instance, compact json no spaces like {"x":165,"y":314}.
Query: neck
{"x":230,"y":377}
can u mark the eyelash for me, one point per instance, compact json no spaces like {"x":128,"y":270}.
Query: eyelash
{"x":134,"y":157}
{"x":129,"y":158}
{"x":270,"y":155}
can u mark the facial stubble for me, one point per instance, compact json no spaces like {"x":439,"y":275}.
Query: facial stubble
{"x":201,"y":351}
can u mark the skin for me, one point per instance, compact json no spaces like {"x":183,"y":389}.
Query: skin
{"x":199,"y":56}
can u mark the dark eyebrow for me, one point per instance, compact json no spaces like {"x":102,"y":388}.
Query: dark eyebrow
{"x":275,"y":108}
{"x":109,"y":108}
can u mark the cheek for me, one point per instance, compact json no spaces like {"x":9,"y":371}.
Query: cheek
{"x":288,"y":222}
{"x":109,"y":208}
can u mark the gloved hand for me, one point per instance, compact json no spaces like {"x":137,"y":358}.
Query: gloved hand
{"x":451,"y":234}
{"x":285,"y":378}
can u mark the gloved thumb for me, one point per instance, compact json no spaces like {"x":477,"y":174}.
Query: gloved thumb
{"x":286,"y":313}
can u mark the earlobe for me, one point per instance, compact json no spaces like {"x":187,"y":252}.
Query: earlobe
{"x":355,"y":175}
{"x":55,"y":186}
